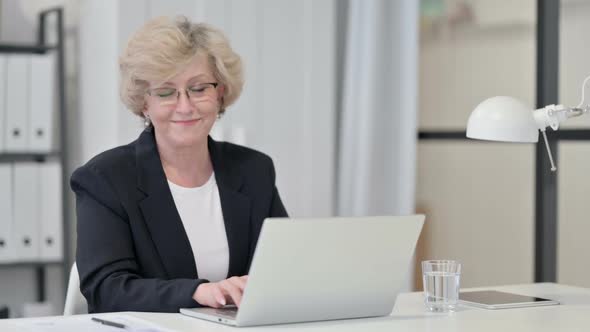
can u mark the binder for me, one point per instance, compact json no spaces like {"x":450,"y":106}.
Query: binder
{"x":17,"y":103}
{"x":50,"y":211}
{"x":2,"y":100}
{"x":6,"y":247}
{"x":42,"y":103}
{"x":25,"y":228}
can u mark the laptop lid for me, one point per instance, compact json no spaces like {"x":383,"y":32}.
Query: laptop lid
{"x":311,"y":269}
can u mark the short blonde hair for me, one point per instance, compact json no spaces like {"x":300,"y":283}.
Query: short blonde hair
{"x":164,"y":46}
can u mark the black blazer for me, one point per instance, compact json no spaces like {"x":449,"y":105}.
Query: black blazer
{"x":132,"y":250}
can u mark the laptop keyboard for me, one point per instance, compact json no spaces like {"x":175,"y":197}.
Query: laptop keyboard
{"x":231,"y":312}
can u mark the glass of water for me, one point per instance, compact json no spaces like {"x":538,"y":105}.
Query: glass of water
{"x":441,"y":284}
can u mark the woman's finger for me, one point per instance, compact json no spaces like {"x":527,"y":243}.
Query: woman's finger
{"x":219,"y":296}
{"x":234,"y":291}
{"x":239,"y":282}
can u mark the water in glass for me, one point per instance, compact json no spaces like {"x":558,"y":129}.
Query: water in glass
{"x":441,"y":290}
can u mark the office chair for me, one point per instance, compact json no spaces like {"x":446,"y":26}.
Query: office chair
{"x":75,"y":301}
{"x":4,"y":312}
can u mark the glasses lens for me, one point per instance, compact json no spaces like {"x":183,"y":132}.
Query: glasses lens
{"x":201,"y":91}
{"x":165,"y":95}
{"x":196,"y":93}
{"x":164,"y":92}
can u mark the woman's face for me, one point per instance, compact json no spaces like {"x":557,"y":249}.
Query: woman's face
{"x":183,"y":109}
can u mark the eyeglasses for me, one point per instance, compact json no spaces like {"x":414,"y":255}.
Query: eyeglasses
{"x":196,"y":93}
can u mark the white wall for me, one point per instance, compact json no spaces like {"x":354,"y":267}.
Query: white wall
{"x":489,"y":217}
{"x":479,"y":202}
{"x":478,"y":197}
{"x":574,"y":157}
{"x":573,"y":221}
{"x":471,"y":64}
{"x":574,"y":56}
{"x":287,"y":109}
{"x":15,"y":26}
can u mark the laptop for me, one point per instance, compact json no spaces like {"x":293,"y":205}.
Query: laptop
{"x":315,"y":269}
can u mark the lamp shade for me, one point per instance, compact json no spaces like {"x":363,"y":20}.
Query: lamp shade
{"x":503,"y":119}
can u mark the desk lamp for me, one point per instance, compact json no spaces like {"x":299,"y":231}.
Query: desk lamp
{"x":507,"y":119}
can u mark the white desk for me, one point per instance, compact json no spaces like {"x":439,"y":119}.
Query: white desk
{"x":410,"y":314}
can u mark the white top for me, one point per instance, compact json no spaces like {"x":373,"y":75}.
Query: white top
{"x":201,"y":215}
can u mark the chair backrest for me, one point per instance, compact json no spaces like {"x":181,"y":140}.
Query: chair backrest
{"x":75,"y":302}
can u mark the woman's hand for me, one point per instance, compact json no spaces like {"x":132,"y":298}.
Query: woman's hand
{"x":218,"y":294}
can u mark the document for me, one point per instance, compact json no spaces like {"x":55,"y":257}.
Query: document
{"x":26,"y":211}
{"x":86,"y":324}
{"x":2,"y":100}
{"x":17,"y":103}
{"x":42,"y":103}
{"x":50,"y":211}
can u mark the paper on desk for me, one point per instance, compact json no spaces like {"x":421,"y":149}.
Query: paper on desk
{"x":84,"y":323}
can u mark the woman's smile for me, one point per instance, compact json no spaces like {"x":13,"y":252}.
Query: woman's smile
{"x":188,"y":122}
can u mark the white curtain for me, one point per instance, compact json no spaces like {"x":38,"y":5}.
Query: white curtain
{"x":377,"y":136}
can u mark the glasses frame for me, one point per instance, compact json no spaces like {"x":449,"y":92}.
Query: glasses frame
{"x":185,"y":90}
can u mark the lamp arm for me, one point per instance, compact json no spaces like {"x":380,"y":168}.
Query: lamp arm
{"x":552,"y":116}
{"x":577,"y":111}
{"x":553,"y":167}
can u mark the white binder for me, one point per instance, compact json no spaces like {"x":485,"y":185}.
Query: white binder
{"x":17,"y":103}
{"x":50,"y":209}
{"x":6,"y":247}
{"x":2,"y":100}
{"x":26,"y":211}
{"x":42,"y":103}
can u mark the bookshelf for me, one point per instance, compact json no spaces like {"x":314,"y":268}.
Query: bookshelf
{"x":59,"y":154}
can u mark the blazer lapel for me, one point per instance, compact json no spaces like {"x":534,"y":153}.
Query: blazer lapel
{"x":159,"y":211}
{"x":235,"y":206}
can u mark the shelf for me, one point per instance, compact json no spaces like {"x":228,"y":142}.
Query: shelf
{"x":29,"y":264}
{"x":563,"y":134}
{"x":16,"y":48}
{"x":441,"y":134}
{"x":59,"y":152}
{"x":573,"y":134}
{"x":27,"y":156}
